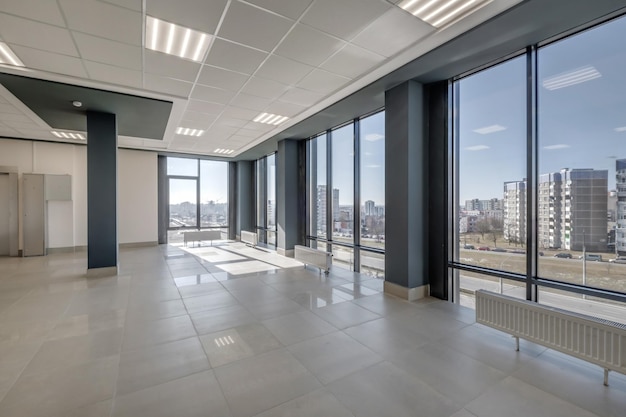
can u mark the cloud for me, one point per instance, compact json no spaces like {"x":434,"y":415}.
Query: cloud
{"x":490,"y":129}
{"x":373,"y":166}
{"x":373,"y":137}
{"x":620,"y":129}
{"x":559,"y":146}
{"x":477,"y":148}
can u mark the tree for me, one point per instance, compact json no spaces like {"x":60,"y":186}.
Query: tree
{"x":483,"y":226}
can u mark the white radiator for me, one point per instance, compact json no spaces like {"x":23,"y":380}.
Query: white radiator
{"x":310,"y":256}
{"x":595,"y":340}
{"x":249,"y":238}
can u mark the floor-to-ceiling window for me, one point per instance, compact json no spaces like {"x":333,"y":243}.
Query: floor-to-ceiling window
{"x":265,"y":190}
{"x":346,"y":194}
{"x":540,"y":174}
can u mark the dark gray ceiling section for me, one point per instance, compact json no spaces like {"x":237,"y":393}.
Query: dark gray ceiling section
{"x":528,"y":23}
{"x":52,"y":102}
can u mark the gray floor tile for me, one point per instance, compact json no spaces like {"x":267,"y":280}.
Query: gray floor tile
{"x":296,"y":327}
{"x":221,"y":319}
{"x":344,"y":315}
{"x":319,"y":403}
{"x":387,"y":338}
{"x":149,"y":333}
{"x":84,"y":324}
{"x":217,"y":299}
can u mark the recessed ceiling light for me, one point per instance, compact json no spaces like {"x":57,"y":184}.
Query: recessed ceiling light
{"x":569,"y":78}
{"x":489,"y":129}
{"x":77,"y":103}
{"x":189,"y":132}
{"x":68,"y":135}
{"x":439,"y":13}
{"x":7,"y":56}
{"x":176,"y":40}
{"x":224,"y":151}
{"x":270,"y":119}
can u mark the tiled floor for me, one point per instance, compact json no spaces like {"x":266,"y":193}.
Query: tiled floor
{"x":180,"y":335}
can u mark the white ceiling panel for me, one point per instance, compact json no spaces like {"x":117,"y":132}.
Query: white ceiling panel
{"x":205,"y":107}
{"x":345,"y":18}
{"x":240,"y":113}
{"x":167,"y":85}
{"x":283,"y":70}
{"x":323,"y":82}
{"x":392,"y":32}
{"x":202,"y":15}
{"x":129,"y":4}
{"x":49,"y":62}
{"x":352,"y":61}
{"x":13,"y":117}
{"x":221,"y":78}
{"x":197,"y":124}
{"x":9,"y":109}
{"x":292,"y":9}
{"x":36,"y":35}
{"x":171,"y":66}
{"x":264,"y":88}
{"x":17,"y":124}
{"x":36,"y":133}
{"x":284,"y":109}
{"x":114,"y":75}
{"x":265,"y":33}
{"x":248,"y":133}
{"x":93,"y":48}
{"x":103,"y":19}
{"x":214,"y":95}
{"x":309,"y":46}
{"x":237,"y":141}
{"x":301,"y":97}
{"x":230,"y":122}
{"x":7,"y":131}
{"x":46,"y":11}
{"x":221,"y":132}
{"x":197,"y":117}
{"x":250,"y":102}
{"x":234,"y":57}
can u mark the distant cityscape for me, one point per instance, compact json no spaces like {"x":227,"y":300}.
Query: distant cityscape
{"x":575,"y":211}
{"x":212,"y":214}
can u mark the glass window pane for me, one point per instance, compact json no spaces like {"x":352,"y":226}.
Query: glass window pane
{"x":372,"y":166}
{"x":317,"y":187}
{"x":373,"y":264}
{"x":342,"y":204}
{"x":271,"y":196}
{"x":213,"y":193}
{"x":182,"y":166}
{"x":582,"y":157}
{"x":260,"y":193}
{"x":491,"y":167}
{"x":343,"y":257}
{"x":472,"y":281}
{"x":182,"y":204}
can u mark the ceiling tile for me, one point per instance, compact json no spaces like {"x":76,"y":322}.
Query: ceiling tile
{"x":285,"y":109}
{"x":249,"y":133}
{"x":171,"y":66}
{"x":238,"y":141}
{"x":307,"y":45}
{"x":7,"y":131}
{"x":13,"y":117}
{"x":259,"y":127}
{"x":129,"y":4}
{"x":234,"y":57}
{"x":46,"y":61}
{"x":214,"y":95}
{"x":323,"y":82}
{"x":283,"y":70}
{"x":301,"y":97}
{"x":392,"y":32}
{"x":97,"y":49}
{"x":240,"y":113}
{"x":36,"y":35}
{"x":352,"y":61}
{"x":167,"y":85}
{"x":19,"y":124}
{"x":197,"y":117}
{"x":201,"y":15}
{"x":264,"y":88}
{"x":252,"y":26}
{"x":221,"y":78}
{"x":292,"y":9}
{"x":345,"y":18}
{"x":197,"y":124}
{"x":103,"y":19}
{"x":205,"y":107}
{"x":230,"y":122}
{"x":9,"y":108}
{"x":250,"y":102}
{"x":43,"y":11}
{"x":35,"y":133}
{"x":114,"y":75}
{"x":221,"y":132}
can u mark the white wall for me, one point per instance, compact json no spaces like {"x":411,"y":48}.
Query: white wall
{"x":67,"y":221}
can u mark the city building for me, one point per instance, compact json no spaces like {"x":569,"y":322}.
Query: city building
{"x":620,"y":212}
{"x":370,"y":208}
{"x":514,"y":213}
{"x":550,"y":210}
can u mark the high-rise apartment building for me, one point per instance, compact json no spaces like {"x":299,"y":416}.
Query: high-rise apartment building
{"x":620,"y":224}
{"x":514,"y":219}
{"x":549,"y":210}
{"x":370,"y":208}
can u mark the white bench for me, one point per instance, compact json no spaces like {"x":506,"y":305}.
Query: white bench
{"x":309,"y":256}
{"x":595,"y":340}
{"x":199,"y":236}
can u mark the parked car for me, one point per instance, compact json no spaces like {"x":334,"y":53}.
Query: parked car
{"x":498,"y":250}
{"x":619,"y":260}
{"x":563,"y":255}
{"x":592,"y":257}
{"x":468,"y":247}
{"x":484,"y":248}
{"x":518,"y":251}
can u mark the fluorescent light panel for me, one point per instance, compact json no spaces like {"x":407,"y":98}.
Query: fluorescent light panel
{"x":68,"y":135}
{"x":270,"y":119}
{"x":176,"y":40}
{"x":7,"y":56}
{"x":224,"y":151}
{"x":189,"y":132}
{"x":439,"y":13}
{"x":570,"y":78}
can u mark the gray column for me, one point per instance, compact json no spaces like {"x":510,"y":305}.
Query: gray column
{"x":288,"y":209}
{"x":406,"y":208}
{"x":245,"y":196}
{"x":102,"y":245}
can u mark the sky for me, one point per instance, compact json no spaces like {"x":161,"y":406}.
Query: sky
{"x":580,"y":125}
{"x":213,"y":180}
